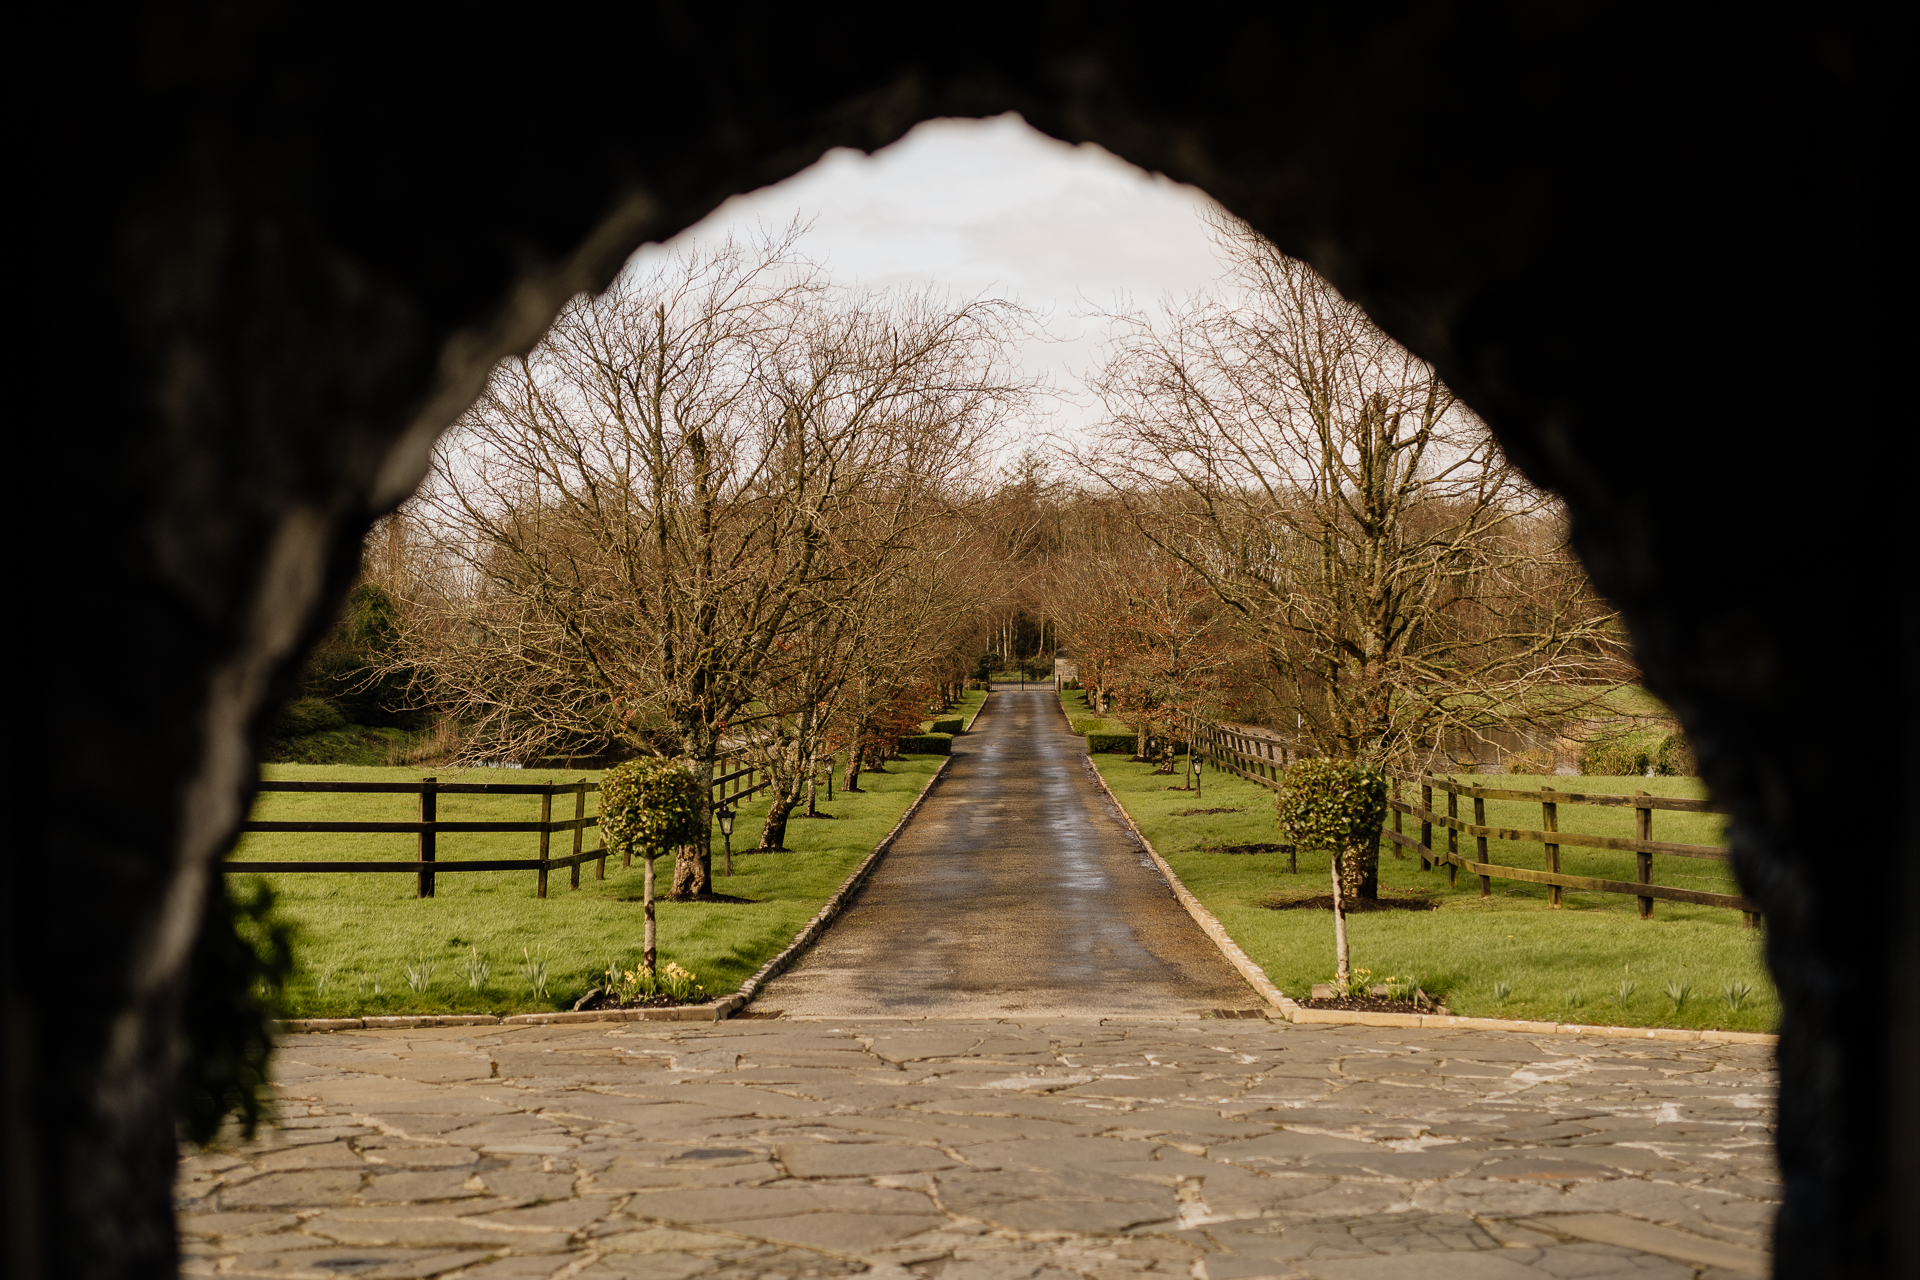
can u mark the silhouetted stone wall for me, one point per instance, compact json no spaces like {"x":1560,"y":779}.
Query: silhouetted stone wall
{"x":274,"y":250}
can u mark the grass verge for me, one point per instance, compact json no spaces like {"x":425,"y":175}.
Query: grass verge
{"x":1565,"y":965}
{"x":1082,"y":718}
{"x":968,"y":708}
{"x":358,"y":935}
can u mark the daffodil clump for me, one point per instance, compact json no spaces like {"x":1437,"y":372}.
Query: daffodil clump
{"x":630,"y":986}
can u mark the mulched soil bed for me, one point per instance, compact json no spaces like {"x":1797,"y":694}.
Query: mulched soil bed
{"x":1358,"y":905}
{"x":1250,"y":848}
{"x":1366,"y":1004}
{"x":1195,"y":813}
{"x":598,"y":999}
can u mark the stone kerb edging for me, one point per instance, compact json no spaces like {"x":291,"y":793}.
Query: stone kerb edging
{"x":718,"y":1011}
{"x":1292,"y":1011}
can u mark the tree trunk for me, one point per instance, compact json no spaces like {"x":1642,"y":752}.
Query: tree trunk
{"x":693,"y":863}
{"x":813,"y":793}
{"x":773,"y":836}
{"x":1359,"y":865}
{"x":646,"y":900}
{"x":693,"y":870}
{"x":1342,"y":965}
{"x":852,"y":781}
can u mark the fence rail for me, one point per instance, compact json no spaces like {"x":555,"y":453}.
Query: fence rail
{"x":727,"y":788}
{"x":1263,"y":761}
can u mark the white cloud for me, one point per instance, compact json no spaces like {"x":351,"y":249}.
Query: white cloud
{"x":993,"y":206}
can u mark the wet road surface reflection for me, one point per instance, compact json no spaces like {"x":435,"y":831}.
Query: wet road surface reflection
{"x":1014,"y":890}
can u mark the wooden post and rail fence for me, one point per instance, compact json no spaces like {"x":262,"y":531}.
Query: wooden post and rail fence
{"x":1264,"y":761}
{"x":727,"y":788}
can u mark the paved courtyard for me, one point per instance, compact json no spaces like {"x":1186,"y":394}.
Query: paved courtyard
{"x":975,"y":1150}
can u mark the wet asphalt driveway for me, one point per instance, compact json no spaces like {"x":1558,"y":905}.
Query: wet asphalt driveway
{"x":1014,"y":890}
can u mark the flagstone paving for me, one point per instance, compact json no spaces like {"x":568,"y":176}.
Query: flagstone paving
{"x":994,"y":1149}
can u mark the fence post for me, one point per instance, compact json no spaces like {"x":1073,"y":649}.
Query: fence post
{"x":1426,"y":822}
{"x":1550,"y":821}
{"x":429,"y":811}
{"x":1453,"y":834}
{"x":1480,"y":845}
{"x":546,"y":834}
{"x":1399,"y":826}
{"x":579,"y":832}
{"x":1643,"y":830}
{"x":600,"y":870}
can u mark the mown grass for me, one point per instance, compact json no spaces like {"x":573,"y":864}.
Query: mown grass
{"x":1083,"y":718}
{"x":358,"y":934}
{"x":1562,"y":965}
{"x":971,"y":700}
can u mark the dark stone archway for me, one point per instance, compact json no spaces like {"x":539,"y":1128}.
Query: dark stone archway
{"x":274,"y":250}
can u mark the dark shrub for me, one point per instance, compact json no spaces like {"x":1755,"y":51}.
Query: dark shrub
{"x":353,"y":666}
{"x":1122,"y":742}
{"x":1674,"y":758}
{"x":307,"y":715}
{"x":1621,"y":755}
{"x":951,"y":724}
{"x":926,"y":744}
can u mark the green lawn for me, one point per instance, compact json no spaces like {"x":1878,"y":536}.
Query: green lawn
{"x":1083,"y":719}
{"x":358,"y":934}
{"x":971,"y":700}
{"x":1562,"y":965}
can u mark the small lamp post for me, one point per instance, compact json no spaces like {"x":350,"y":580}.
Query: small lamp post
{"x":1198,"y":761}
{"x":725,"y":817}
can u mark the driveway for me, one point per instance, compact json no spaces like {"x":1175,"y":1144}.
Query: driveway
{"x":1015,"y":890}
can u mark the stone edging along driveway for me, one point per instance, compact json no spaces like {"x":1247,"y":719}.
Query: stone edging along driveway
{"x":720,"y":1010}
{"x":1293,"y":1012}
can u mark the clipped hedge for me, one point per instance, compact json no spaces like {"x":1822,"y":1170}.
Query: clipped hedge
{"x":948,"y":724}
{"x":1099,"y":742}
{"x":1338,"y":806}
{"x":649,"y":806}
{"x":926,"y":744}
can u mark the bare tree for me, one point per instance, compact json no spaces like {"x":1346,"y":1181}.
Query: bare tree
{"x":688,"y":471}
{"x":1398,"y":577}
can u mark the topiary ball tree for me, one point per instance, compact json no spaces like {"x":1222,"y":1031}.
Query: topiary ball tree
{"x":648,"y":807}
{"x":1338,"y":806}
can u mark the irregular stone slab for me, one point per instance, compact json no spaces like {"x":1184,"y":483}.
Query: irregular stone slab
{"x":850,"y":1159}
{"x":1646,"y":1237}
{"x":307,"y":1189}
{"x":837,"y":1232}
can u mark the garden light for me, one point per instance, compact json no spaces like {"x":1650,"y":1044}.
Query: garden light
{"x":725,"y":817}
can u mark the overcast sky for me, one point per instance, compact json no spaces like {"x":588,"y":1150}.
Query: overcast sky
{"x":992,"y":206}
